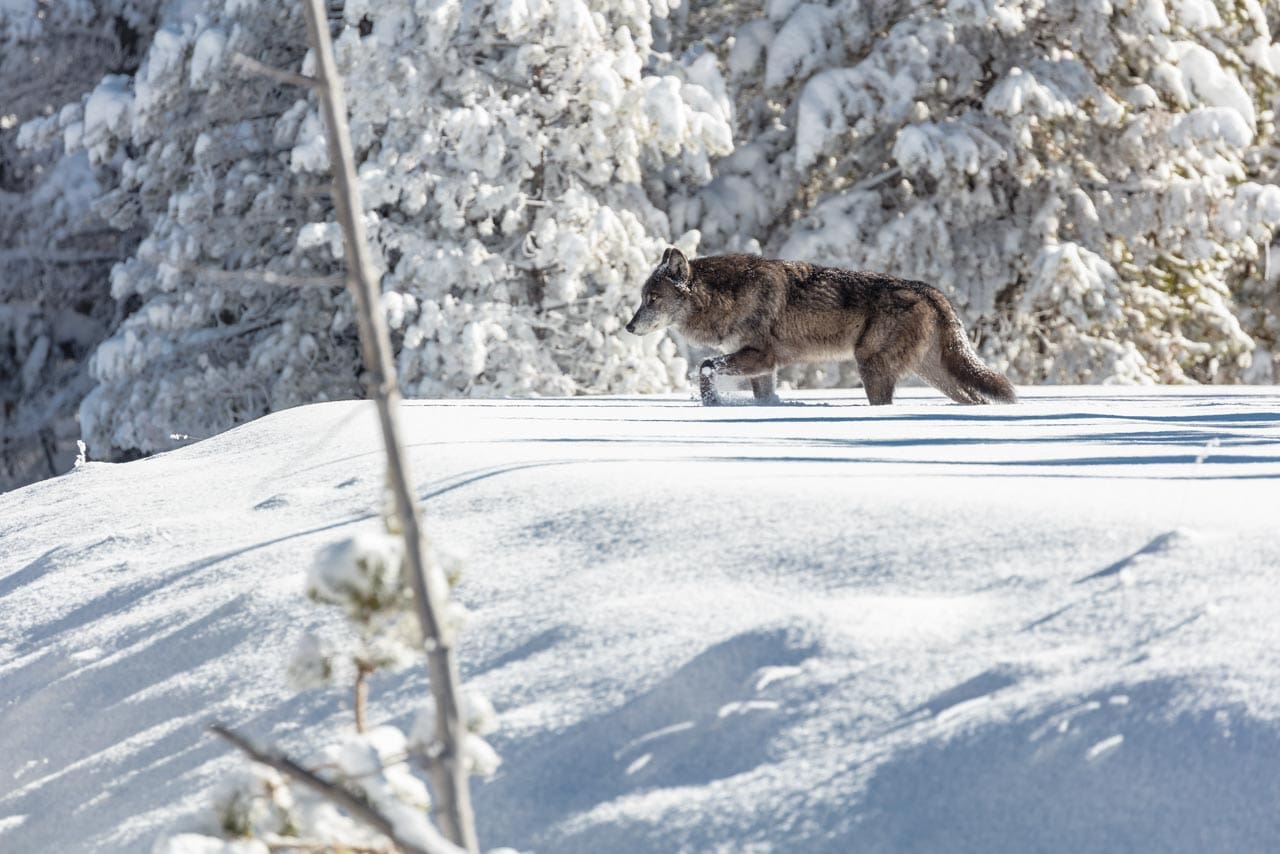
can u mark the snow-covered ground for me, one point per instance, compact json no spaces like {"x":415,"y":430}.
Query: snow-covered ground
{"x":816,"y":627}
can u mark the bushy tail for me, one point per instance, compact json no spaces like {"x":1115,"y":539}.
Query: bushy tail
{"x":956,"y":370}
{"x":973,"y":377}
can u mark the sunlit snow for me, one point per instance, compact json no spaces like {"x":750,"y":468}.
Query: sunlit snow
{"x":816,"y":627}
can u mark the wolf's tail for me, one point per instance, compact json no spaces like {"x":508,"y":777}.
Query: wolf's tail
{"x":972,"y":381}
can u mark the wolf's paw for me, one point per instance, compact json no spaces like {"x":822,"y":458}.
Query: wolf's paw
{"x":707,"y":384}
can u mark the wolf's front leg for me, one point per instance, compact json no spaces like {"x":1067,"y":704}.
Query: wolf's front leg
{"x":747,"y":362}
{"x":707,"y":385}
{"x":762,"y":388}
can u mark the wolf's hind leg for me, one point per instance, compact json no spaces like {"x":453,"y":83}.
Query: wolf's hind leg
{"x":878,"y":379}
{"x":887,"y":352}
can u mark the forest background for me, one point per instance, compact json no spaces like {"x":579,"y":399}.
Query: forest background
{"x":1093,"y":183}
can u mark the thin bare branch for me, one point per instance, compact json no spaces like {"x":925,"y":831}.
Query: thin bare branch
{"x":362,"y":695}
{"x":339,"y":796}
{"x":265,"y":277}
{"x":252,"y":66}
{"x":876,"y":180}
{"x":449,"y":782}
{"x":275,"y":842}
{"x":41,"y":255}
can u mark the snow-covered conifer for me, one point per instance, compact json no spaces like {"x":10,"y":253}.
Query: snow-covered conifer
{"x":55,"y":252}
{"x":514,"y":161}
{"x":364,"y":576}
{"x":201,"y":154}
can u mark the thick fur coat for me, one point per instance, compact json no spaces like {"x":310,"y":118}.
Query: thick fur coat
{"x":766,"y":314}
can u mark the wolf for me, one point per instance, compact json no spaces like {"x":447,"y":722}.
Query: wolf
{"x":764,"y":314}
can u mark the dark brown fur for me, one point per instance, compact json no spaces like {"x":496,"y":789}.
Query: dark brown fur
{"x":767,"y":314}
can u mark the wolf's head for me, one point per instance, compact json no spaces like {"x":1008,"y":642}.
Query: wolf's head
{"x":665,"y":297}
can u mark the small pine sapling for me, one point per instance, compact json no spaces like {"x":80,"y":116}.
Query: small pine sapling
{"x":264,"y":808}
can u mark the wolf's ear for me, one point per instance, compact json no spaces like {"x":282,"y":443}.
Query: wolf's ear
{"x":679,"y":266}
{"x":666,"y":256}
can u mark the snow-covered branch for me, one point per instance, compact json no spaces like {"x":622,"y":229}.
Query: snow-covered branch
{"x":340,"y":796}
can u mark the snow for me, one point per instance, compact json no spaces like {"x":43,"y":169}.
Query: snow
{"x":1020,"y":92}
{"x":358,"y":573}
{"x":108,"y":106}
{"x":1197,"y":14}
{"x":311,"y":153}
{"x":940,"y":149}
{"x":107,"y":111}
{"x":207,"y":52}
{"x":1211,"y":124}
{"x":804,"y":43}
{"x":188,"y":843}
{"x":750,"y":45}
{"x":1212,"y":85}
{"x":818,"y":626}
{"x":828,"y":102}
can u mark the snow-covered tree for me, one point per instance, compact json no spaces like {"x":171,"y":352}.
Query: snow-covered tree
{"x":1077,"y":175}
{"x":199,"y":158}
{"x":514,"y":157}
{"x":1091,"y":182}
{"x":55,"y":253}
{"x":363,"y":577}
{"x":517,"y":155}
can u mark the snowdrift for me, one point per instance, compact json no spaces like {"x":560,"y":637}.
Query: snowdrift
{"x":814,"y":627}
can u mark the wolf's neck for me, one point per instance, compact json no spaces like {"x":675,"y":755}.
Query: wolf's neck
{"x":709,"y":322}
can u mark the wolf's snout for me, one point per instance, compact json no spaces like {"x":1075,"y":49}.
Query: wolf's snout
{"x":631,"y":327}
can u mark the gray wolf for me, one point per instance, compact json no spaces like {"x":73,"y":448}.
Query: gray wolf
{"x":766,"y":314}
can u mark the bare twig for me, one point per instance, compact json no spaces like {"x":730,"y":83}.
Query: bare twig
{"x":252,"y":66}
{"x":354,"y":804}
{"x":41,"y":255}
{"x":448,"y":774}
{"x":362,"y":694}
{"x":875,"y":180}
{"x":265,"y":277}
{"x":276,"y":842}
{"x":200,"y":339}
